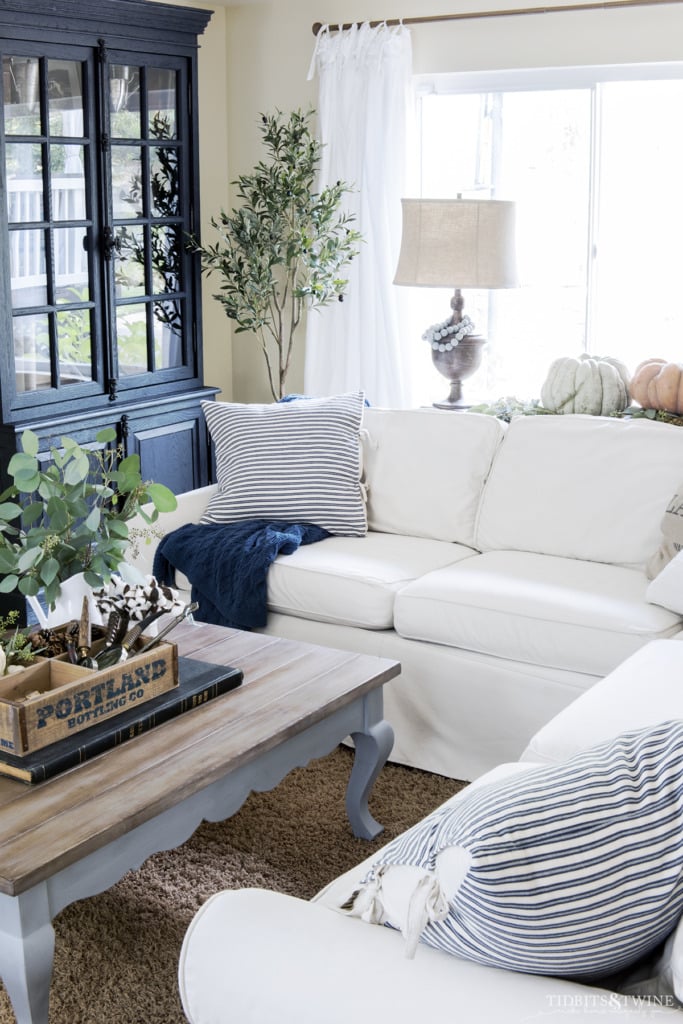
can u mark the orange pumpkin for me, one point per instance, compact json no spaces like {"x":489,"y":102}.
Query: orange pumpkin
{"x":657,"y":384}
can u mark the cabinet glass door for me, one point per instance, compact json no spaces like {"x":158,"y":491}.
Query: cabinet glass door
{"x":148,"y":219}
{"x":49,"y":221}
{"x":98,"y":287}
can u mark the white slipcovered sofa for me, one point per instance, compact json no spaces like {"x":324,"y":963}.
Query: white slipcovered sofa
{"x":253,"y":956}
{"x":504,"y":567}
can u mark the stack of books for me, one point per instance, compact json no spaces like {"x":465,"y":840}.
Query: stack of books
{"x":198,"y":682}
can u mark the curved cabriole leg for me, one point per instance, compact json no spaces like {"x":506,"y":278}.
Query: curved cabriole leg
{"x":373,"y":747}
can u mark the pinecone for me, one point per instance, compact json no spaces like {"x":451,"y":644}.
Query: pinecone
{"x":49,"y":642}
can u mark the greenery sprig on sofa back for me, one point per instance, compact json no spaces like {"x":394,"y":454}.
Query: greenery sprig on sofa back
{"x":600,"y":386}
{"x":70,"y":515}
{"x":506,"y":408}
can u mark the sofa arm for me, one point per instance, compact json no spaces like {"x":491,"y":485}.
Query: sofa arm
{"x":644,"y":690}
{"x":191,"y":505}
{"x":251,"y":956}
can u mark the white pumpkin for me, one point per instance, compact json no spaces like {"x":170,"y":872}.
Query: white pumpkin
{"x":596,"y":385}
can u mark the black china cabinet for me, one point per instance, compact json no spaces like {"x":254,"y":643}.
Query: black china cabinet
{"x":100,"y":320}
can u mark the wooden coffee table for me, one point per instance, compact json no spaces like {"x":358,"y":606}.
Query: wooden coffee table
{"x":80,"y":832}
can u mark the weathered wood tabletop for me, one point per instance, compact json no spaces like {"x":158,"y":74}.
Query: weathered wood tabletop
{"x":288,"y":686}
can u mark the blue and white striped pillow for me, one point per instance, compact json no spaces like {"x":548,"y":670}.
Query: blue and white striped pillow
{"x":574,"y":869}
{"x":296,"y":461}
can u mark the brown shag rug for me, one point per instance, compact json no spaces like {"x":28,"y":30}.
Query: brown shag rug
{"x":117,"y":953}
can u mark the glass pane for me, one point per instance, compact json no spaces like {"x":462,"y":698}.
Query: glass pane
{"x":545,"y":154}
{"x":71,"y":265}
{"x":531,"y":147}
{"x":74,"y":346}
{"x":21,"y":79}
{"x":129,"y":266}
{"x":167,"y":335}
{"x":161,"y":103}
{"x":27,"y":265}
{"x":165,"y":258}
{"x":68,"y":182}
{"x":126,"y":169}
{"x":131,"y":334}
{"x":165,"y":185}
{"x":65,"y":97}
{"x":24,"y":182}
{"x":32,"y":352}
{"x":124,"y":101}
{"x":455,"y":144}
{"x":640,"y":221}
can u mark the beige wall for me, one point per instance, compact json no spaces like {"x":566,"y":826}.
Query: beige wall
{"x":255,"y":57}
{"x":215,"y":175}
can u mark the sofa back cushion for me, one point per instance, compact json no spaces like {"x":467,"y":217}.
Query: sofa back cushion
{"x":587,"y":487}
{"x":297,"y":461}
{"x":425,"y":470}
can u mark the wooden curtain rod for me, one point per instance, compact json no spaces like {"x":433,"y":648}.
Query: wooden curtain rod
{"x":592,"y":5}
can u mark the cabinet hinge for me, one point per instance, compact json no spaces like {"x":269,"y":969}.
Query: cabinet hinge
{"x":104,"y":142}
{"x":113,"y":388}
{"x":102,"y":50}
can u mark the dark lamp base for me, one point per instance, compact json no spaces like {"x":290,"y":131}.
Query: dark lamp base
{"x":458,"y":364}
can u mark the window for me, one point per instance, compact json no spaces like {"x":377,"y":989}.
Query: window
{"x":594,"y":159}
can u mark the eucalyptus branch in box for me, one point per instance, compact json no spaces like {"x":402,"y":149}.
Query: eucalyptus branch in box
{"x":71,"y":515}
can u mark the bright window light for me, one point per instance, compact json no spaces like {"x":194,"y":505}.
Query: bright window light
{"x":593,"y":158}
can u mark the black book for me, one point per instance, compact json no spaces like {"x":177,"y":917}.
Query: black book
{"x":198,"y":683}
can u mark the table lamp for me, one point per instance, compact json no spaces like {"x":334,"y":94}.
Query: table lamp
{"x":465,"y":243}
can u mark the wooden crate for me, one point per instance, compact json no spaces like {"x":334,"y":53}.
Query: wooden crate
{"x":53,"y":699}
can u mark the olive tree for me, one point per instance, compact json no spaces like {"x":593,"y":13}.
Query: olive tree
{"x":283,"y":250}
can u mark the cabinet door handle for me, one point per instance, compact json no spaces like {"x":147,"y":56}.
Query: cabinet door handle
{"x":110,"y":243}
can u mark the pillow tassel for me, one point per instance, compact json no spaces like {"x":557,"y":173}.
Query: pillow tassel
{"x":427,"y":905}
{"x":365,"y":902}
{"x":394,"y":896}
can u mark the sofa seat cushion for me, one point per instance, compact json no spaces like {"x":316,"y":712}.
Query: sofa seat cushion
{"x":537,"y":609}
{"x":354,"y":581}
{"x":425,"y":470}
{"x":587,"y":487}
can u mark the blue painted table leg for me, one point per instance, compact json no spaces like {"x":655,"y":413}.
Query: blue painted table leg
{"x":372,"y":748}
{"x":27,"y":945}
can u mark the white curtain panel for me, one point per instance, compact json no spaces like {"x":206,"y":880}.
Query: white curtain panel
{"x":364,"y":77}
